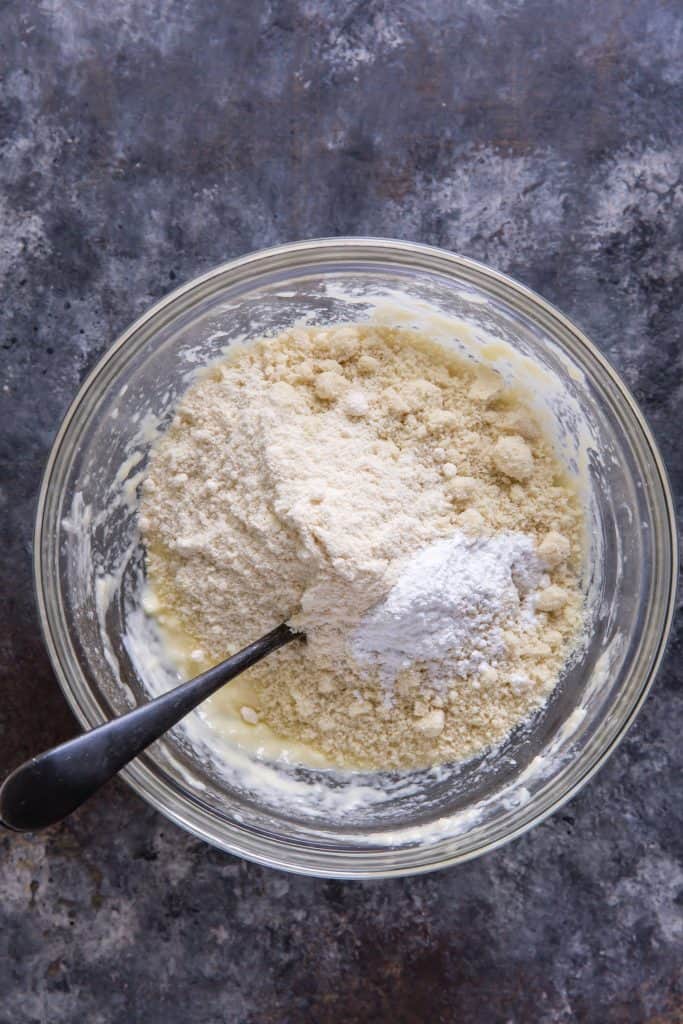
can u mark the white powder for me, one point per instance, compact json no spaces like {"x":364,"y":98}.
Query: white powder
{"x":450,"y":605}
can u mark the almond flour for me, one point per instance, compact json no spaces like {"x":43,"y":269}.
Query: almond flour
{"x":300,"y":480}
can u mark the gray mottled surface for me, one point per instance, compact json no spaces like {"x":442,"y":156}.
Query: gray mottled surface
{"x":143,"y":141}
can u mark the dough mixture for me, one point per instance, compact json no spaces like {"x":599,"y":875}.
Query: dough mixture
{"x":397,"y":504}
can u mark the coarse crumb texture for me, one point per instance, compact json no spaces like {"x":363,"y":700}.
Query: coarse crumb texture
{"x":296,"y":476}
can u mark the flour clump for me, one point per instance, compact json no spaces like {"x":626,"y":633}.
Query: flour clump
{"x":398,"y":505}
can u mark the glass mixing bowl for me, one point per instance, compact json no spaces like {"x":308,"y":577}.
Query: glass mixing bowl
{"x":88,"y":557}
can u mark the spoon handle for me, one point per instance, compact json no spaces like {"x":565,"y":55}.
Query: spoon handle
{"x":48,"y":787}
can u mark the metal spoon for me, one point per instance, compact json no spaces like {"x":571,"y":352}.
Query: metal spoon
{"x":50,"y":786}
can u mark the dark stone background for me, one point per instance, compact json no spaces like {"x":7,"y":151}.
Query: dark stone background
{"x":143,"y":141}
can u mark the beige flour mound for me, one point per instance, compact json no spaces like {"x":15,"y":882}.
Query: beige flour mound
{"x":293,"y":480}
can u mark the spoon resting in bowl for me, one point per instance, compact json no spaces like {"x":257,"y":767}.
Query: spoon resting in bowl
{"x":49,"y":787}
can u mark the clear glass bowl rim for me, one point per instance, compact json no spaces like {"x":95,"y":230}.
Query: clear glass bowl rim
{"x":277,"y":851}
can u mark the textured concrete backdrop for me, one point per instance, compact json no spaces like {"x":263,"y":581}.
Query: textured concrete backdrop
{"x":143,"y":141}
